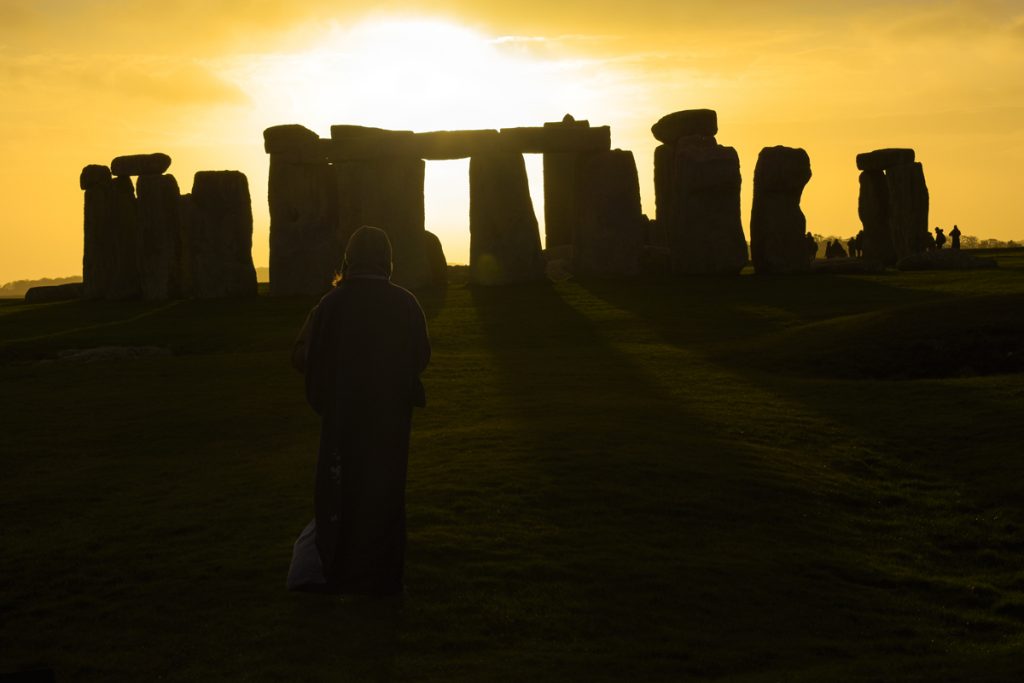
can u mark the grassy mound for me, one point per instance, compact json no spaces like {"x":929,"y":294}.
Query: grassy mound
{"x":961,"y":337}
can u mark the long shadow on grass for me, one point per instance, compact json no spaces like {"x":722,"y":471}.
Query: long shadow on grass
{"x":714,"y":310}
{"x":940,"y":498}
{"x":629,"y":527}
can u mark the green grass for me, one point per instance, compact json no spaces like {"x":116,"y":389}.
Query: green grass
{"x":742,"y":479}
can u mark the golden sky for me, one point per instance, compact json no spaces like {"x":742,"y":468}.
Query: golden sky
{"x":83,"y":81}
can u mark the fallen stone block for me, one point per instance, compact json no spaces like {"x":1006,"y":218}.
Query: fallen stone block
{"x":50,"y":293}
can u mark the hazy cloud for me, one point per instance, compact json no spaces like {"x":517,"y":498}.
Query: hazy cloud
{"x":164,"y":80}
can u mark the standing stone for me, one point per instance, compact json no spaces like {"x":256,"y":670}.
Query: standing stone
{"x":504,"y":241}
{"x":664,"y":165}
{"x":186,"y":219}
{"x":777,"y":225}
{"x":873,"y":208}
{"x":124,"y":231}
{"x":435,"y":259}
{"x":387,"y":193}
{"x":99,"y":253}
{"x":219,"y":236}
{"x":93,"y":175}
{"x":663,"y":158}
{"x":908,"y":209}
{"x":159,"y":237}
{"x":560,"y":210}
{"x":610,"y":229}
{"x":705,"y":230}
{"x":305,"y":248}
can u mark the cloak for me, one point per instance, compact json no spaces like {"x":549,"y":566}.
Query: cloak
{"x":367,"y":346}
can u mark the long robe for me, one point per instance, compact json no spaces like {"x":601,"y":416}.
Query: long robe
{"x":367,"y":346}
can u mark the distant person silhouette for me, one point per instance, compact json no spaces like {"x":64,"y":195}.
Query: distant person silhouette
{"x":362,"y":349}
{"x":835,"y":249}
{"x":954,"y":236}
{"x":940,"y":238}
{"x":851,"y":245}
{"x":811,"y":245}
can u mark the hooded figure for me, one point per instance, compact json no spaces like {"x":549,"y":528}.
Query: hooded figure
{"x":367,"y":345}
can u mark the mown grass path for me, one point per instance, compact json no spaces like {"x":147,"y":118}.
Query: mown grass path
{"x":749,"y":479}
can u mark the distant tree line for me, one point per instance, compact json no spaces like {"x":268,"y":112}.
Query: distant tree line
{"x":19,"y":287}
{"x":966,"y":242}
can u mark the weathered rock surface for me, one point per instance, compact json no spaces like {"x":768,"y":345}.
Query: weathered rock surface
{"x":669,"y":128}
{"x":704,"y":226}
{"x":908,"y":209}
{"x":305,"y":244}
{"x":551,"y":139}
{"x":159,"y":237}
{"x":123,"y":242}
{"x":289,"y":139}
{"x":777,"y":225}
{"x":873,"y":208}
{"x":560,"y":213}
{"x":884,"y":159}
{"x":93,"y":175}
{"x":504,"y":242}
{"x":454,"y":144}
{"x":362,"y":143}
{"x":610,"y":229}
{"x":388,"y":194}
{"x":656,"y":261}
{"x":438,"y":264}
{"x":218,"y":236}
{"x":946,"y":259}
{"x":664,"y":163}
{"x":50,"y":293}
{"x":99,"y":252}
{"x":140,"y":164}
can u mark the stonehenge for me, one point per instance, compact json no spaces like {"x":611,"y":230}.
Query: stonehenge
{"x":218,"y":235}
{"x":302,"y":194}
{"x":159,"y":235}
{"x":321,"y":190}
{"x":140,"y":164}
{"x":610,"y":228}
{"x":144,"y":240}
{"x":893,"y":205}
{"x":504,"y":241}
{"x":697,"y":194}
{"x":777,"y":225}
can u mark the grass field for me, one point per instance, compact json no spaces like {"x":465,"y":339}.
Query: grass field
{"x":740,"y":479}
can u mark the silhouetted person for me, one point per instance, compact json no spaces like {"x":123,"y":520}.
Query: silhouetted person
{"x":835,"y":249}
{"x":851,"y":244}
{"x":860,"y":243}
{"x":812,"y":246}
{"x":954,"y":236}
{"x":940,"y":238}
{"x":367,"y":345}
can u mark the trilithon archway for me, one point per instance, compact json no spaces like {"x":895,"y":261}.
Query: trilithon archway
{"x":321,"y":190}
